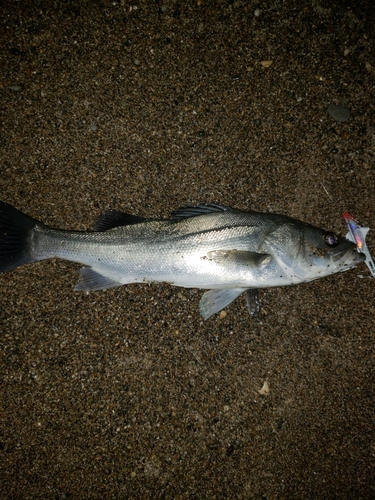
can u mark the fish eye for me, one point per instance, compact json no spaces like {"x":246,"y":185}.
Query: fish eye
{"x":331,"y":239}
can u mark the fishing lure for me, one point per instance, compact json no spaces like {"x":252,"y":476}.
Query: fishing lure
{"x":357,"y":234}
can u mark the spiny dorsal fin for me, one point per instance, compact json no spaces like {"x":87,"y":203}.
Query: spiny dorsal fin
{"x":195,"y":210}
{"x":114,"y":218}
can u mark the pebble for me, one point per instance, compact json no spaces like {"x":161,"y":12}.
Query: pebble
{"x":339,"y":112}
{"x":339,"y":160}
{"x":266,"y":64}
{"x":16,"y":88}
{"x":265,"y":389}
{"x":94,"y":128}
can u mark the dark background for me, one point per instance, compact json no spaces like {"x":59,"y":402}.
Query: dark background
{"x":144,"y":106}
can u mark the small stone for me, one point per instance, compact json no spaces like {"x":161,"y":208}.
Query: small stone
{"x":16,"y":88}
{"x":256,"y":12}
{"x":339,"y":160}
{"x":222,"y":314}
{"x":339,"y":112}
{"x":265,"y":389}
{"x":137,"y":62}
{"x":94,"y":128}
{"x":266,"y":64}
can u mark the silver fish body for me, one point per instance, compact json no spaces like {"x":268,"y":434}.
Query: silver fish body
{"x":209,"y":246}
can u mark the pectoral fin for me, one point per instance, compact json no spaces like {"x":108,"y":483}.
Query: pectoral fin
{"x":214,"y":301}
{"x":239,"y":257}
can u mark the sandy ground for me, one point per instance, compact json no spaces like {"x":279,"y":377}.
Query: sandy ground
{"x":145,"y":106}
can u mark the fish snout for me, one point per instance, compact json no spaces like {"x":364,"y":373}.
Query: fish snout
{"x":347,"y":258}
{"x":353,"y":257}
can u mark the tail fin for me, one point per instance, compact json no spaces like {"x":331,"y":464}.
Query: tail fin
{"x":15,"y":237}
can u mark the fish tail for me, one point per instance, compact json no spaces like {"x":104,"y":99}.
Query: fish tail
{"x":15,"y":237}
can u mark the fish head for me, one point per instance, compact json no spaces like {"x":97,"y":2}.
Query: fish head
{"x":326,"y":253}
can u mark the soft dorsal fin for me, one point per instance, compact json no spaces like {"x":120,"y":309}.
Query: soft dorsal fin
{"x":114,"y":218}
{"x":194,"y":211}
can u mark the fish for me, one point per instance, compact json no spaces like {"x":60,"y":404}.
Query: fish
{"x":208,"y":246}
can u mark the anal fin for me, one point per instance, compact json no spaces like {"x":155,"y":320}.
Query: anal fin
{"x":90,"y":280}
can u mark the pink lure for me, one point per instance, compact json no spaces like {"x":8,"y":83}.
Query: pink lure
{"x":357,"y":235}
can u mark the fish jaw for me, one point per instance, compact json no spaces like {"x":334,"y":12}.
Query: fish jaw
{"x":348,"y":259}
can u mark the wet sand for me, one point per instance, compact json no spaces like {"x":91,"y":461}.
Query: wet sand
{"x":145,"y":107}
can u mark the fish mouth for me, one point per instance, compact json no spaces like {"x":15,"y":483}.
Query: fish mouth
{"x":362,"y":257}
{"x":349,"y":257}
